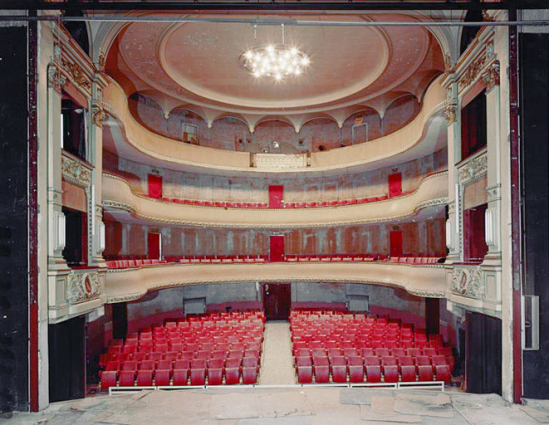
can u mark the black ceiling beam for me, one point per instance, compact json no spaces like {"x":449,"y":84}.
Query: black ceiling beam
{"x":197,"y":5}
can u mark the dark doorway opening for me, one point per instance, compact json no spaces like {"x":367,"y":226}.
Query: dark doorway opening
{"x":277,"y":300}
{"x":483,"y":356}
{"x":67,"y":359}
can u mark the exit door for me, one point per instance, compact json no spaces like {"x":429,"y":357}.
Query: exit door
{"x":277,"y":248}
{"x":153,"y":246}
{"x":277,"y":300}
{"x":276,"y":195}
{"x":396,"y":243}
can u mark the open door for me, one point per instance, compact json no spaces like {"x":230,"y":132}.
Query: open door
{"x":155,"y":186}
{"x":276,"y":195}
{"x":277,"y":300}
{"x":277,"y":248}
{"x":395,"y":184}
{"x":396,"y":243}
{"x":153,"y":246}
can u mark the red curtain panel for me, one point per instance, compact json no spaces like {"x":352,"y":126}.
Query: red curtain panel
{"x":153,"y":245}
{"x":395,"y":184}
{"x":155,"y":186}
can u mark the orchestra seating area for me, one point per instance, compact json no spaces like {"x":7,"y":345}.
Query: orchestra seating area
{"x":221,"y":348}
{"x":340,"y":347}
{"x":228,"y":259}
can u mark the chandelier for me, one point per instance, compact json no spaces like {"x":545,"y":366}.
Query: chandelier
{"x":275,"y":60}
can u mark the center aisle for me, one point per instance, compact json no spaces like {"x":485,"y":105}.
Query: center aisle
{"x":277,"y":366}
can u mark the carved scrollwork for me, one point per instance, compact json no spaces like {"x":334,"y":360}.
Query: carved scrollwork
{"x":473,"y":70}
{"x":76,"y":74}
{"x":474,"y":169}
{"x":450,"y":114}
{"x":98,"y":114}
{"x":83,"y":287}
{"x":491,"y":78}
{"x":75,"y":172}
{"x":468,"y":282}
{"x":56,"y":80}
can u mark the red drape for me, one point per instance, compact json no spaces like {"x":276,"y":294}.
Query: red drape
{"x":155,"y":186}
{"x":475,"y":247}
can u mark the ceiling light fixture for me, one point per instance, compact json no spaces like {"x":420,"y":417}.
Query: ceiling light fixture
{"x":275,"y":60}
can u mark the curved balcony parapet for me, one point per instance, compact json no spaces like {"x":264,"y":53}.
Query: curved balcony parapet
{"x":132,"y":284}
{"x":178,"y":153}
{"x":117,"y":195}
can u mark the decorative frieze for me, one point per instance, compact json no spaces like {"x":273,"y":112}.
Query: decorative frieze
{"x":75,"y":172}
{"x":474,"y":70}
{"x":281,"y":161}
{"x":468,"y":282}
{"x":76,"y":74}
{"x":473,"y":169}
{"x":83,"y":287}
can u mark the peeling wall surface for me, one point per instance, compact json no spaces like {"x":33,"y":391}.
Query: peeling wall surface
{"x":425,"y":238}
{"x":185,"y":185}
{"x":231,"y":133}
{"x":168,"y":303}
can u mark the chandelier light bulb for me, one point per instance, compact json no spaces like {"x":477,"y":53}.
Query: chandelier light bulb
{"x":275,"y":60}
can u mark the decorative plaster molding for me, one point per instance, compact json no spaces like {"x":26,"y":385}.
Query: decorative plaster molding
{"x":56,"y":80}
{"x":99,"y":116}
{"x":75,"y":172}
{"x":77,"y":75}
{"x":83,"y":287}
{"x":491,"y":78}
{"x":468,"y":282}
{"x":450,"y":114}
{"x":494,"y":192}
{"x":279,"y":160}
{"x":474,"y":169}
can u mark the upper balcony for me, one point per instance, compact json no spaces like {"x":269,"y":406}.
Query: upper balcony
{"x":120,"y":200}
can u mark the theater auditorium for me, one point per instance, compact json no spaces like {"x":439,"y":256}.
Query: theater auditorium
{"x":305,"y":195}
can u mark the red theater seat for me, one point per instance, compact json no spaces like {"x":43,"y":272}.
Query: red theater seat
{"x":442,"y":373}
{"x":305,"y":374}
{"x":127,"y":378}
{"x":371,"y":361}
{"x":425,"y":373}
{"x":373,"y":374}
{"x":198,"y":376}
{"x":338,"y":361}
{"x":339,"y":373}
{"x":216,"y":363}
{"x":162,"y":378}
{"x":232,"y":376}
{"x":408,"y":373}
{"x":322,"y":374}
{"x":390,"y":373}
{"x":249,"y":375}
{"x":215,"y":376}
{"x":356,"y":373}
{"x":180,"y":377}
{"x":250,"y":362}
{"x":144,"y":378}
{"x":108,"y":379}
{"x":233,"y":363}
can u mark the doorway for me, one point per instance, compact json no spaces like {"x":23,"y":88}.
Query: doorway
{"x":154,"y":246}
{"x":276,"y":196}
{"x":396,"y":243}
{"x":395,"y":184}
{"x":277,"y":300}
{"x":277,"y":248}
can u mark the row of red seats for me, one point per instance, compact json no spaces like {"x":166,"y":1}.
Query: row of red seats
{"x":372,"y":374}
{"x":379,"y":352}
{"x":225,"y":259}
{"x":415,"y":260}
{"x":170,"y":353}
{"x":263,"y":205}
{"x":436,"y":360}
{"x":124,"y":264}
{"x":179,"y":377}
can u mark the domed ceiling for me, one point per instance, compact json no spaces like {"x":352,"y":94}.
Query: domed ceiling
{"x":197,"y":65}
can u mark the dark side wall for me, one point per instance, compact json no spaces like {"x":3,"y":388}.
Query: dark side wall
{"x":535,"y":180}
{"x":14,"y":353}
